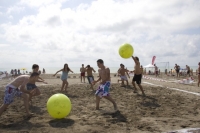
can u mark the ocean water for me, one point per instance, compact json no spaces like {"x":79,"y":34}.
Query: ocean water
{"x":52,"y":70}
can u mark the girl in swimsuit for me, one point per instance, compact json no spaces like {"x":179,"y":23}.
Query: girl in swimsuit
{"x":64,"y":76}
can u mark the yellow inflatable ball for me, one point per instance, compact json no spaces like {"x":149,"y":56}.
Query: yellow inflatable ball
{"x":126,"y":51}
{"x":58,"y":106}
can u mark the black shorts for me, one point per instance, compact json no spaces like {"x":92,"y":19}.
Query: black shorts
{"x":30,"y":86}
{"x":137,"y":78}
{"x":90,"y":79}
{"x":177,"y":71}
{"x":188,"y":72}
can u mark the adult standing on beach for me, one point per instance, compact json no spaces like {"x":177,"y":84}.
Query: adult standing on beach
{"x":156,"y":70}
{"x":82,"y":70}
{"x":43,"y":71}
{"x":18,"y":72}
{"x":177,"y":68}
{"x":137,"y":75}
{"x":188,"y":70}
{"x":64,"y":76}
{"x":199,"y":74}
{"x":90,"y":76}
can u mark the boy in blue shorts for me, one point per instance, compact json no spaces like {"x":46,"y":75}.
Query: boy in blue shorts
{"x":103,"y":89}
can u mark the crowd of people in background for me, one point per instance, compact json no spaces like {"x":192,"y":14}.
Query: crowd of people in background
{"x":177,"y":69}
{"x":16,"y":72}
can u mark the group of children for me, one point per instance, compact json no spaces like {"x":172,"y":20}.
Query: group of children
{"x":24,"y":85}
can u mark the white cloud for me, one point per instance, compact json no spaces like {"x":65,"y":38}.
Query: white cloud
{"x":88,"y":32}
{"x":10,"y":17}
{"x":15,"y":9}
{"x":4,"y":45}
{"x":38,"y":3}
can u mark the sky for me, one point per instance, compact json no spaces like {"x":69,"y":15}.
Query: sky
{"x":53,"y":32}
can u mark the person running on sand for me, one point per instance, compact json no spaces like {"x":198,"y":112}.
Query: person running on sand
{"x":177,"y":68}
{"x":188,"y":70}
{"x":90,"y":76}
{"x":31,"y":83}
{"x":122,"y":72}
{"x":82,"y":70}
{"x":199,"y":74}
{"x":17,"y":88}
{"x":64,"y":76}
{"x":104,"y":87}
{"x":137,"y":75}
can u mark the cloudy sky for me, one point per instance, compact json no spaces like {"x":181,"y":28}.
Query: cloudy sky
{"x":53,"y":32}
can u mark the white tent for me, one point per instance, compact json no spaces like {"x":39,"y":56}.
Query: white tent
{"x":149,"y":66}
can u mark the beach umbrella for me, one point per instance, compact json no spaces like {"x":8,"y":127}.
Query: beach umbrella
{"x":23,"y":68}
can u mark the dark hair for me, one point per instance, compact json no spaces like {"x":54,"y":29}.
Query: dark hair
{"x":34,"y":74}
{"x":137,"y":58}
{"x":100,"y":61}
{"x":35,"y":66}
{"x":88,"y":65}
{"x":67,"y":67}
{"x":199,"y":63}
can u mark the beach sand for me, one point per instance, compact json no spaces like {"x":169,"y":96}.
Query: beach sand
{"x":162,"y":110}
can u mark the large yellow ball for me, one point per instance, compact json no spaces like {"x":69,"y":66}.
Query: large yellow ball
{"x":126,"y":51}
{"x":58,"y":106}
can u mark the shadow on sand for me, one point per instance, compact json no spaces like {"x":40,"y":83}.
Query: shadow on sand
{"x":61,"y":123}
{"x":117,"y":117}
{"x":150,"y":102}
{"x":22,"y":124}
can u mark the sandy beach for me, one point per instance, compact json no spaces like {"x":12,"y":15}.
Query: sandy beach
{"x":162,"y":110}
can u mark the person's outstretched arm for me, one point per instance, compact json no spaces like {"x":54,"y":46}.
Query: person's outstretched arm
{"x":127,"y":73}
{"x":58,"y":72}
{"x":93,"y":70}
{"x":71,"y":71}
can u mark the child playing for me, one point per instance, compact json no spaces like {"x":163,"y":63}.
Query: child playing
{"x":64,"y":76}
{"x":35,"y":68}
{"x":122,"y":71}
{"x":137,"y":75}
{"x":31,"y":83}
{"x":103,"y":89}
{"x":12,"y":90}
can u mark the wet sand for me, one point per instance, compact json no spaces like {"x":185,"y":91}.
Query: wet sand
{"x":162,"y":109}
